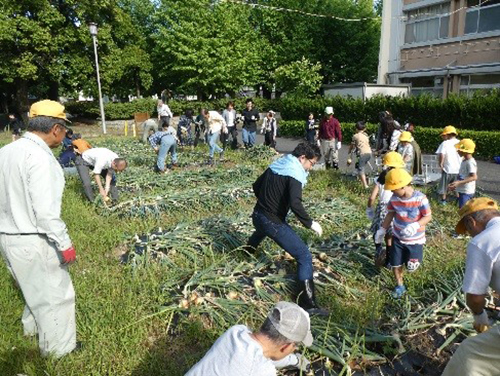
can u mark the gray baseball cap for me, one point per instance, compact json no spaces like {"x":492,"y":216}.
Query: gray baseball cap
{"x":293,"y":322}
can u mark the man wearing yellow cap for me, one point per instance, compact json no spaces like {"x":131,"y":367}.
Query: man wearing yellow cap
{"x":467,"y":176}
{"x":449,"y":160}
{"x":479,"y":355}
{"x":34,"y":240}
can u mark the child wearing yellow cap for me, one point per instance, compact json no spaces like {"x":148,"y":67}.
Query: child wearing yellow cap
{"x":409,"y":212}
{"x":449,"y":160}
{"x":405,"y":148}
{"x":465,"y":186}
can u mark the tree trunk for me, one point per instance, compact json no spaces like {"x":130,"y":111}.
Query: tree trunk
{"x":137,"y":87}
{"x":53,"y":92}
{"x":21,"y":102}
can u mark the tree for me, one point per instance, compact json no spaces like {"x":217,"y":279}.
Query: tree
{"x":300,"y":77}
{"x":206,"y":47}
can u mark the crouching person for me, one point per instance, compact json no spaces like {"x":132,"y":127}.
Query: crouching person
{"x":239,"y":351}
{"x":411,"y":212}
{"x":480,"y":355}
{"x":103,"y":163}
{"x":164,"y":142}
{"x":278,"y":190}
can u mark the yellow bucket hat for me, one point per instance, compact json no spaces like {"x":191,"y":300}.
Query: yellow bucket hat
{"x":393,"y":159}
{"x":449,"y":129}
{"x":466,"y":145}
{"x":397,"y":178}
{"x":405,"y":137}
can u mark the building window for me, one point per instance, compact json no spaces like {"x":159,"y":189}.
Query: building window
{"x":427,"y":23}
{"x":483,"y":16}
{"x":470,"y":84}
{"x":425,"y":85}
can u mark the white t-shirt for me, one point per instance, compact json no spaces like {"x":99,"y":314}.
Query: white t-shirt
{"x":234,"y":353}
{"x":482,"y":267}
{"x":468,"y":167}
{"x":164,"y":110}
{"x":100,"y":158}
{"x":452,"y":159}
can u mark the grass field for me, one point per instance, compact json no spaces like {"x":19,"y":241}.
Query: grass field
{"x":187,"y":280}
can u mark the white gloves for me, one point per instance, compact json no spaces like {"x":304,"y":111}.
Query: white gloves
{"x":410,"y":230}
{"x":379,"y":236}
{"x":294,"y":361}
{"x":317,"y":228}
{"x":370,"y":213}
{"x":482,"y":322}
{"x":339,"y":145}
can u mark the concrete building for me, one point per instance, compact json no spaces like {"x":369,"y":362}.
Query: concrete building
{"x":441,"y":47}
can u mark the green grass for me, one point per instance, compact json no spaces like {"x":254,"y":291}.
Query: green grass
{"x":120,"y":309}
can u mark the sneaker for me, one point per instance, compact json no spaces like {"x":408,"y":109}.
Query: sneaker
{"x":443,"y":202}
{"x":398,"y":292}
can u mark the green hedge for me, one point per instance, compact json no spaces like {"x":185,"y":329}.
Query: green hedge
{"x":487,"y":143}
{"x":480,"y":112}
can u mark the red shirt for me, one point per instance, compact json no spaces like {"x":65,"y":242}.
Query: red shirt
{"x":329,"y":129}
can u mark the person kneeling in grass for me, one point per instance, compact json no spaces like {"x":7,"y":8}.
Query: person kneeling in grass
{"x":239,"y":351}
{"x":279,"y":190}
{"x":411,"y":212}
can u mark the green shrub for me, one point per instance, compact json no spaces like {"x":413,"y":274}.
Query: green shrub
{"x":480,"y":112}
{"x":487,"y":143}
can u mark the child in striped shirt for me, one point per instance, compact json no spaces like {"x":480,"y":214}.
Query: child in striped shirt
{"x":409,"y":211}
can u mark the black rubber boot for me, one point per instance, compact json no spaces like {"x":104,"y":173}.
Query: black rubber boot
{"x":336,"y":166}
{"x":307,"y":299}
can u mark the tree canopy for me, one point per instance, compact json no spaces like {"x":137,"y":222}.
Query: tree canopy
{"x":207,"y":47}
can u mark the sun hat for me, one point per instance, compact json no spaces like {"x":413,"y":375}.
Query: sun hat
{"x":466,"y":145}
{"x":393,"y":159}
{"x":396,"y":179}
{"x":405,"y":137}
{"x":329,"y":110}
{"x":449,"y":129}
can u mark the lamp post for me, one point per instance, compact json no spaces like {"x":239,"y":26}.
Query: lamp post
{"x":93,"y":32}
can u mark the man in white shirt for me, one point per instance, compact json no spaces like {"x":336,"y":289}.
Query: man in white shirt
{"x":104,"y":163}
{"x":34,"y":240}
{"x":229,"y":115}
{"x":480,"y":355}
{"x":164,"y":114}
{"x":449,"y":160}
{"x":241,"y":352}
{"x":215,"y":125}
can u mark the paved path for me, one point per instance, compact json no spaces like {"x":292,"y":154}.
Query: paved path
{"x":488,"y":172}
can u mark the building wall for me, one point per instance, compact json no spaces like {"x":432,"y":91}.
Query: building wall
{"x":441,"y":62}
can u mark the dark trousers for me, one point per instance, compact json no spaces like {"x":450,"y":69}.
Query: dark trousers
{"x":164,"y":120}
{"x":234,"y":138}
{"x":286,"y":238}
{"x":269,"y":140}
{"x":84,"y":171}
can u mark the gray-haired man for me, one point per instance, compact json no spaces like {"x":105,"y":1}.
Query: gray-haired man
{"x":239,"y":351}
{"x":34,"y":240}
{"x":479,"y":355}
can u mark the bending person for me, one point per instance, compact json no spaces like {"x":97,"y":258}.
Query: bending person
{"x":103,"y":163}
{"x":278,"y":190}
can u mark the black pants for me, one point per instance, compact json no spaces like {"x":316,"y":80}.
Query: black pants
{"x":84,"y":169}
{"x":164,"y":120}
{"x":269,"y":140}
{"x":234,"y":138}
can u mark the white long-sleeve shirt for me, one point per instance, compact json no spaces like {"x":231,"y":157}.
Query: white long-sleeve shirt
{"x":100,"y":158}
{"x":31,"y":189}
{"x":164,"y":110}
{"x":216,"y":122}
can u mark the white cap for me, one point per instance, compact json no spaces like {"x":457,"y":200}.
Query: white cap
{"x":293,"y":322}
{"x":329,"y":110}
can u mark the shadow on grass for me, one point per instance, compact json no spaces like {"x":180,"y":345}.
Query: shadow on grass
{"x":18,"y":360}
{"x":173,"y":354}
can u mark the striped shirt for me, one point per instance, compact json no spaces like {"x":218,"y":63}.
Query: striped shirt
{"x":407,"y":211}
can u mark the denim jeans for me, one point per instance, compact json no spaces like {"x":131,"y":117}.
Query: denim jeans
{"x":168,"y":145}
{"x":463,"y":198}
{"x":212,"y":144}
{"x":248,"y":137}
{"x":286,"y":238}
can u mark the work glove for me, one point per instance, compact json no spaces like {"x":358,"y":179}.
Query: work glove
{"x":317,"y":228}
{"x":293,"y":361}
{"x":370,"y":213}
{"x":379,"y":236}
{"x":482,"y":322}
{"x":410,"y":230}
{"x":339,"y":145}
{"x":68,"y":256}
{"x":349,"y":161}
